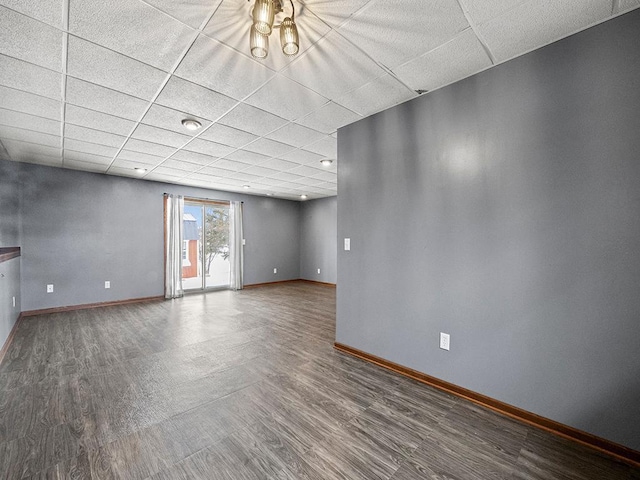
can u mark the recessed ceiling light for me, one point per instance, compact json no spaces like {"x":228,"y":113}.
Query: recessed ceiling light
{"x":303,"y":197}
{"x":140,"y":170}
{"x":246,"y":187}
{"x":191,"y":124}
{"x":326,"y":162}
{"x":269,"y":194}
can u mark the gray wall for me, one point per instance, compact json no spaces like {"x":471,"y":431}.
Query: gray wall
{"x":10,"y":228}
{"x":318,"y":241}
{"x":80,"y":229}
{"x":505,"y":210}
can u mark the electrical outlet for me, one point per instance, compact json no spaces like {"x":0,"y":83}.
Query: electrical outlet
{"x":444,"y":341}
{"x":14,"y":302}
{"x":107,"y":284}
{"x":318,"y":271}
{"x":275,"y":270}
{"x":50,"y":288}
{"x":244,"y":241}
{"x":347,"y":244}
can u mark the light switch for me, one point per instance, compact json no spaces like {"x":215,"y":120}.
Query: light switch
{"x":347,"y":244}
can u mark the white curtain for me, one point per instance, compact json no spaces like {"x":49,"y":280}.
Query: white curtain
{"x":174,"y":211}
{"x":235,"y":245}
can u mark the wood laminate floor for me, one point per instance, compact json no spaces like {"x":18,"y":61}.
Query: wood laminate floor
{"x":245,"y":385}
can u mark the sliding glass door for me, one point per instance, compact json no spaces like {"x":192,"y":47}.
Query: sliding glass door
{"x":205,"y":251}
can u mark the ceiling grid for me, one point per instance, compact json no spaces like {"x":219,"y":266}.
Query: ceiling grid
{"x":131,"y":70}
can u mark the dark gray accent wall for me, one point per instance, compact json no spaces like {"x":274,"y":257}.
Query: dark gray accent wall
{"x":80,"y":229}
{"x":505,"y":210}
{"x":318,"y":247}
{"x":10,"y":236}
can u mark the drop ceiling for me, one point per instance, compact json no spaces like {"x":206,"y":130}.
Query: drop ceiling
{"x":102,"y":86}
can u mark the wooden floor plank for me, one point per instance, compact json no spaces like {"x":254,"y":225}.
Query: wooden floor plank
{"x":245,"y":385}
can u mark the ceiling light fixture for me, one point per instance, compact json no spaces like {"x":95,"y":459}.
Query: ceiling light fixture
{"x":326,"y":162}
{"x":191,"y":124}
{"x":140,"y":170}
{"x":263,"y":15}
{"x":246,"y":187}
{"x":303,"y":197}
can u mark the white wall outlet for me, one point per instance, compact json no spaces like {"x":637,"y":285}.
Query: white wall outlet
{"x":444,"y":341}
{"x":50,"y":288}
{"x":14,"y":302}
{"x":107,"y":284}
{"x":347,"y":244}
{"x":275,"y":270}
{"x":318,"y":271}
{"x":244,"y":241}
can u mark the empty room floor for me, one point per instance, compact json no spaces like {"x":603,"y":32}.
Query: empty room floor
{"x":245,"y":385}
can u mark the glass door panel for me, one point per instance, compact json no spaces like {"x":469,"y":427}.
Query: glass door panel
{"x":216,"y":242}
{"x":192,"y":278}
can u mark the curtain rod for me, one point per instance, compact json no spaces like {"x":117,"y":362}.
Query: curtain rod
{"x":202,"y":198}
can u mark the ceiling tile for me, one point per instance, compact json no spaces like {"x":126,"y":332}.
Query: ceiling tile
{"x":306,"y":171}
{"x":48,"y":11}
{"x":482,"y":10}
{"x":116,"y":24}
{"x":286,"y":176}
{"x":453,"y":61}
{"x":329,"y":118}
{"x":134,"y":160}
{"x":193,"y":157}
{"x":233,"y":137}
{"x":624,"y":5}
{"x":139,"y":158}
{"x":218,"y":67}
{"x":171,"y":172}
{"x":87,"y":147}
{"x":533,"y":24}
{"x":151,"y":148}
{"x":259,"y":170}
{"x":247,"y":157}
{"x":333,"y":67}
{"x":25,"y":151}
{"x":176,"y":164}
{"x":209,"y":148}
{"x":383,"y":92}
{"x":22,"y":135}
{"x":105,"y":67}
{"x":268,"y":147}
{"x":123,"y":171}
{"x":30,"y":40}
{"x":228,"y":165}
{"x":19,"y":101}
{"x":252,"y":119}
{"x":160,"y":135}
{"x":309,"y":182}
{"x":393,"y":35}
{"x":244,"y":177}
{"x":188,"y":97}
{"x":72,"y":155}
{"x":170,"y":119}
{"x":232,"y":21}
{"x":326,"y":176}
{"x":29,"y":122}
{"x":24,"y":76}
{"x":95,"y":97}
{"x":327,"y":147}
{"x":162,"y":177}
{"x":84,"y":166}
{"x":286,"y":98}
{"x":191,"y":12}
{"x":302,"y":156}
{"x":296,"y":135}
{"x":278,"y":164}
{"x":93,"y":136}
{"x":334,"y":12}
{"x":97,"y":120}
{"x":219,"y":170}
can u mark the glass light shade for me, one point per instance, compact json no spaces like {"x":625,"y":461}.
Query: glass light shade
{"x":264,"y":12}
{"x":289,"y":37}
{"x":259,"y":44}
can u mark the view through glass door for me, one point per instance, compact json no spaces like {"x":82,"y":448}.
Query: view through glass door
{"x":205,"y":252}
